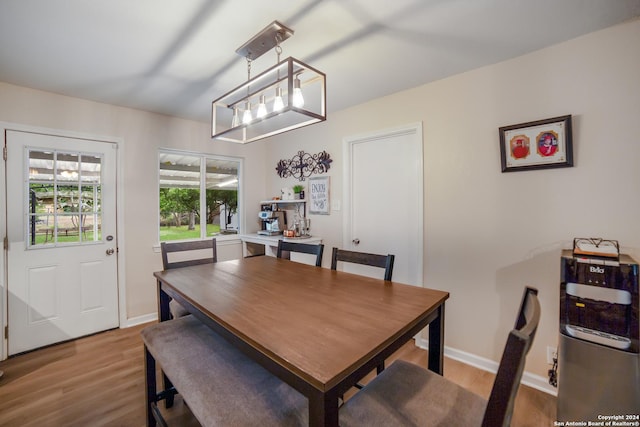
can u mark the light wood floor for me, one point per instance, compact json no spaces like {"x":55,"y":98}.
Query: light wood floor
{"x":99,"y":381}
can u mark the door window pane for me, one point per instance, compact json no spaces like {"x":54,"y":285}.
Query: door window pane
{"x":64,"y":198}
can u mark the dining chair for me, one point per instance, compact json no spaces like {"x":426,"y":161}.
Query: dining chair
{"x":374,"y":260}
{"x":285,"y":249}
{"x":407,"y":394}
{"x":363,"y":258}
{"x":185,"y":254}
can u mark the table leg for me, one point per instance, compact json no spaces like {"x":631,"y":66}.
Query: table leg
{"x":323,"y":411}
{"x":163,"y":304}
{"x":436,"y":342}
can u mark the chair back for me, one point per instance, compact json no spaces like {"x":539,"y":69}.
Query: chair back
{"x":505,"y":387}
{"x":285,"y":249}
{"x":196,"y":247}
{"x":374,"y":260}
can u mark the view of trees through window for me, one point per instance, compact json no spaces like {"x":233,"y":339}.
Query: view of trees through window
{"x":65,"y":198}
{"x":198,"y":196}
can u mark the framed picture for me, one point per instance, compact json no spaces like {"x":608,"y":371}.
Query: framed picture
{"x":319,"y":195}
{"x":541,"y":144}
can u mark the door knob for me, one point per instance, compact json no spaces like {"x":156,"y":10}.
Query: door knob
{"x":356,"y":241}
{"x":110,"y":251}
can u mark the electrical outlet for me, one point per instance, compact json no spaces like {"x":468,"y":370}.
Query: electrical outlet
{"x":552,"y":353}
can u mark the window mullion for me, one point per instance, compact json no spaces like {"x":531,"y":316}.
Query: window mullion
{"x":203,"y":197}
{"x":55,"y":199}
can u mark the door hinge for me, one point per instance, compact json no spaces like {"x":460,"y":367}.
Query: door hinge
{"x":4,"y":153}
{"x":6,"y":332}
{"x":5,"y":243}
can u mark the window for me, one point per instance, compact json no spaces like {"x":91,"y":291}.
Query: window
{"x":198,"y":195}
{"x":65,"y":198}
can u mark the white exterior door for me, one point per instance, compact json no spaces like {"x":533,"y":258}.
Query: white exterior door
{"x":384,"y":201}
{"x":61,"y":230}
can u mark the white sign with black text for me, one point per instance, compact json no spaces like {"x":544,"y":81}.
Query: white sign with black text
{"x":319,"y":195}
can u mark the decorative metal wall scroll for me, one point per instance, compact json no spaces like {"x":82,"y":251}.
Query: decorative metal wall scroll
{"x":303,"y":165}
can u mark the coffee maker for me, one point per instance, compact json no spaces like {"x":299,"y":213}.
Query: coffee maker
{"x":273,"y":222}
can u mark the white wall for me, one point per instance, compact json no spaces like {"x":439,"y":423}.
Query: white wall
{"x":487,"y":233}
{"x":142,"y":134}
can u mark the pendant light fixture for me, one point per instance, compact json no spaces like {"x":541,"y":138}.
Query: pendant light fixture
{"x":236,"y":117}
{"x":278,"y":103}
{"x":246,"y":116}
{"x":262,"y":107}
{"x":298,"y":98}
{"x":287,"y":96}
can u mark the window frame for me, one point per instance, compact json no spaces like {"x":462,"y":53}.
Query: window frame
{"x":203,"y":158}
{"x":56,"y":183}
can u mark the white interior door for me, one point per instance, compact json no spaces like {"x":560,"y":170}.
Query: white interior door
{"x":61,"y":229}
{"x":384,"y":200}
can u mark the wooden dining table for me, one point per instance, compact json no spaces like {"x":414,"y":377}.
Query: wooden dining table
{"x":319,"y":330}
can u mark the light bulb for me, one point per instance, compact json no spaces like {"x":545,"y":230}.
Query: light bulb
{"x":278,"y":105}
{"x":246,"y":116}
{"x":298,"y":99}
{"x":262,"y":108}
{"x":236,"y":118}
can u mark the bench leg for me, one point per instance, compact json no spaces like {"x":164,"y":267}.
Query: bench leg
{"x":167,"y":385}
{"x":151,"y":390}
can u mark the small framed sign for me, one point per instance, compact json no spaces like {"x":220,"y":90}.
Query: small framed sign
{"x":541,"y":144}
{"x":319,"y":195}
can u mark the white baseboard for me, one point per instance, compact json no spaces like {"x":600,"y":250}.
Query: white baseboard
{"x":529,"y":379}
{"x":139,"y":320}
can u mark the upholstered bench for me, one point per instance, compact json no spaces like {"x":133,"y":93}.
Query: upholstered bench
{"x":221,"y":385}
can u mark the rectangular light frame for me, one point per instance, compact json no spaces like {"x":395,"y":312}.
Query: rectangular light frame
{"x":283,"y":74}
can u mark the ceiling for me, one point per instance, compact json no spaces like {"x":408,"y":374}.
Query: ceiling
{"x":175,"y":56}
